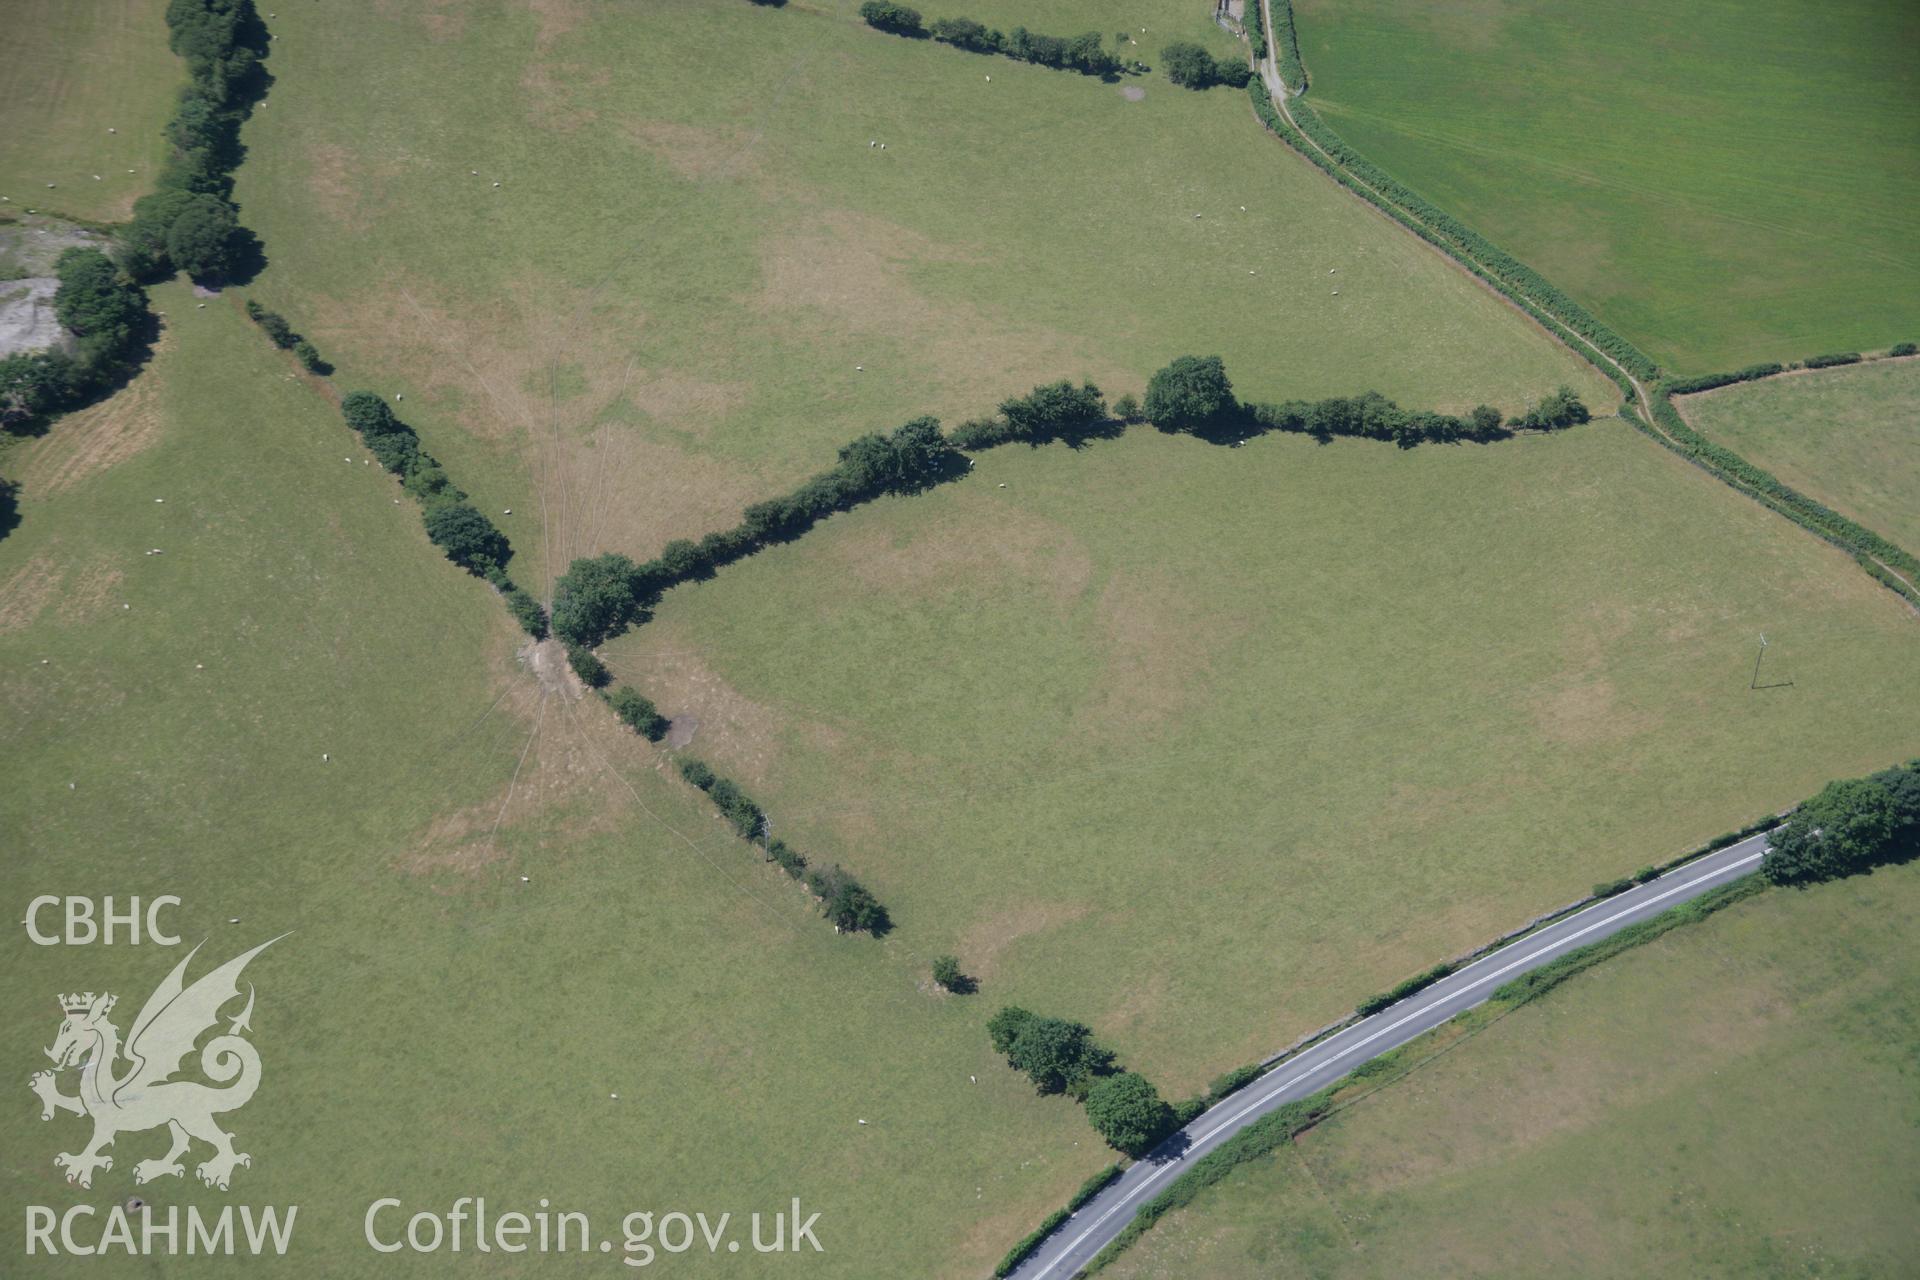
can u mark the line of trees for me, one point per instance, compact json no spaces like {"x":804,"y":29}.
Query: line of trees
{"x":1085,"y":53}
{"x":1287,"y":51}
{"x":1851,"y":826}
{"x":1193,"y":394}
{"x":844,"y":901}
{"x":1061,"y":1056}
{"x":1056,"y":411}
{"x":107,"y":314}
{"x":286,"y":338}
{"x":189,"y":223}
{"x":453,"y":524}
{"x":1192,"y":67}
{"x":600,"y":596}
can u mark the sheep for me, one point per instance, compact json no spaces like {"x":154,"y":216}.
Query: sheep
{"x":326,"y":758}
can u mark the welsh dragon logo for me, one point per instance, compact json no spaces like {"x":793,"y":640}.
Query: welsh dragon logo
{"x":132,"y":1088}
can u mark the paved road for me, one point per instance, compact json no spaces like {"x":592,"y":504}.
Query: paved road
{"x":1101,"y":1219}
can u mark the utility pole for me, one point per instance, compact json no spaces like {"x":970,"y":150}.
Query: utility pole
{"x":1754,"y":683}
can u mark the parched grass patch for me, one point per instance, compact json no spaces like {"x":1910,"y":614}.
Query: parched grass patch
{"x":1848,"y":437}
{"x":1722,"y":184}
{"x":1201,"y":745}
{"x":71,"y":73}
{"x":1734,"y":1097}
{"x":696,"y":278}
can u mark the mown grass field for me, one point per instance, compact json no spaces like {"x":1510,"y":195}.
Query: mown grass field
{"x":697,"y":279}
{"x":1735,"y":1098}
{"x":71,"y":73}
{"x":1722,"y":183}
{"x":433,"y":1027}
{"x":1202,"y":745}
{"x":1849,"y":437}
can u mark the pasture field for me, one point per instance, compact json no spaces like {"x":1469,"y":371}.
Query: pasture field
{"x":1734,"y":1098}
{"x":433,"y":1027}
{"x":1724,"y":184}
{"x":71,"y":73}
{"x":696,"y":279}
{"x":1201,"y":745}
{"x":1848,"y":437}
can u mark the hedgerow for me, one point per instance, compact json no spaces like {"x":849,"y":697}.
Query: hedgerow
{"x":844,"y":901}
{"x":1865,"y":545}
{"x":1271,"y":116}
{"x":1083,"y":53}
{"x":1708,"y":381}
{"x":1836,"y":358}
{"x":189,"y":223}
{"x":1286,"y":52}
{"x":1088,"y":1190}
{"x":1464,"y":240}
{"x":1401,"y":990}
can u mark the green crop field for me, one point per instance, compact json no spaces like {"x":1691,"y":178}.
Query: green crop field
{"x":696,"y":279}
{"x":433,"y":1027}
{"x":1735,"y":1098}
{"x":1722,"y":183}
{"x":1849,"y":437}
{"x":72,"y":72}
{"x":1305,"y":718}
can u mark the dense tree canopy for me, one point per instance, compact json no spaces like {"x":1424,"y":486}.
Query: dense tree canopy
{"x":1190,"y":394}
{"x":469,"y":538}
{"x":594,"y":598}
{"x":1850,"y":826}
{"x":1129,"y":1113}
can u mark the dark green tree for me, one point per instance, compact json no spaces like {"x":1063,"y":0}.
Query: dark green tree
{"x":587,"y":665}
{"x":888,"y":16}
{"x":639,"y":713}
{"x":1190,"y":67}
{"x":1004,"y":1027}
{"x":525,"y":610}
{"x":682,"y":560}
{"x":1848,"y":827}
{"x":947,"y":974}
{"x":1058,"y":1056}
{"x":201,"y":241}
{"x":1129,"y":1113}
{"x":1190,"y":394}
{"x":468,"y":538}
{"x":846,"y":902}
{"x":367,"y":414}
{"x":595,"y":598}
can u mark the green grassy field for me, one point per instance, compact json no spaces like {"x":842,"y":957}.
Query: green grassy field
{"x":71,"y":73}
{"x":1735,"y":1098}
{"x":697,"y":279}
{"x":1722,"y":183}
{"x":433,"y":1027}
{"x":1848,"y":437}
{"x":1202,"y":745}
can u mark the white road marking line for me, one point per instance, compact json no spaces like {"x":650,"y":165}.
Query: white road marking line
{"x":1269,"y":1095}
